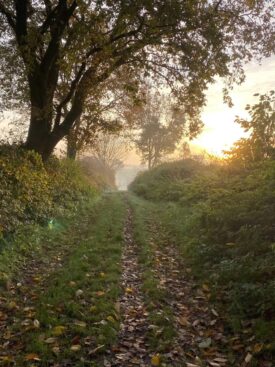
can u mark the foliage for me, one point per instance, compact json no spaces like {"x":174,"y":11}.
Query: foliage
{"x":223,"y":218}
{"x":184,"y":43}
{"x":105,"y":112}
{"x":31,"y":192}
{"x":161,"y":126}
{"x":164,"y":182}
{"x":260,"y":143}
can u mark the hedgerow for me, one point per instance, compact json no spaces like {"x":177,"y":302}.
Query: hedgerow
{"x":31,"y":192}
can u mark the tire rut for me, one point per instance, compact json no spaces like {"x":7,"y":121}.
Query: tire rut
{"x":131,"y":348}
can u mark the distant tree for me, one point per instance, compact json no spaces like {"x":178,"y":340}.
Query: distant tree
{"x":110,"y":150}
{"x":184,"y":150}
{"x":260,"y":144}
{"x":105,"y":112}
{"x":162,"y":126}
{"x":185,"y":43}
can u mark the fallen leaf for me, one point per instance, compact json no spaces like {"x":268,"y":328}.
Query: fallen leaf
{"x":205,"y":343}
{"x":155,"y":360}
{"x":76,"y":347}
{"x":248,"y":358}
{"x":214,"y":312}
{"x":93,"y":308}
{"x":32,"y":357}
{"x":205,"y":287}
{"x":80,"y":323}
{"x":100,"y":293}
{"x":111,"y":319}
{"x":183,"y":321}
{"x":258,"y":347}
{"x":79,"y":293}
{"x":58,"y":330}
{"x":12,"y":305}
{"x":36,"y":324}
{"x":95,"y":350}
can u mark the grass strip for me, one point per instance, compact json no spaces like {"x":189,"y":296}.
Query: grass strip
{"x":77,"y":315}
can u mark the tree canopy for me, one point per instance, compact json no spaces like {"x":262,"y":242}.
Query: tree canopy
{"x":83,"y":42}
{"x":161,"y":125}
{"x":260,"y":144}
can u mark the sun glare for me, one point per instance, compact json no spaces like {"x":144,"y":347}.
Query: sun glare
{"x":219,"y":134}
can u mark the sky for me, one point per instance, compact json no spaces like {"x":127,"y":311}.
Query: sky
{"x":220,"y":131}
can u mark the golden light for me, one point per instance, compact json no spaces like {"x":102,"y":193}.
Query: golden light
{"x":219,"y":134}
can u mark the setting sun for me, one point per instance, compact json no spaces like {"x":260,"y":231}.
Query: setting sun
{"x":219,"y":134}
{"x":220,"y":131}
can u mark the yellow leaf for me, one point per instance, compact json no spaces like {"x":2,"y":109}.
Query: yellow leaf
{"x":93,"y":308}
{"x":76,"y":347}
{"x":80,"y":323}
{"x":129,"y":290}
{"x":111,"y":319}
{"x":258,"y":347}
{"x":58,"y":330}
{"x":6,"y":359}
{"x":205,"y":287}
{"x":102,"y":274}
{"x":12,"y":305}
{"x":155,"y":360}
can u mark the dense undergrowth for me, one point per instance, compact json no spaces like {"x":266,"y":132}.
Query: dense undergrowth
{"x":223,"y":219}
{"x":36,"y":200}
{"x":33,"y":192}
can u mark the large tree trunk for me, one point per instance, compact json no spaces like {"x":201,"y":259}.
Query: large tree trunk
{"x":42,"y":136}
{"x":38,"y":135}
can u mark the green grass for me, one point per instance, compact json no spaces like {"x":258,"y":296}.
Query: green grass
{"x":81,"y":296}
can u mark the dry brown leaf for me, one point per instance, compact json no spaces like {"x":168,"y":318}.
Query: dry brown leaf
{"x":32,"y":357}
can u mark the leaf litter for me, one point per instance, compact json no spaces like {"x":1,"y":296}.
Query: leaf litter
{"x":131,"y":348}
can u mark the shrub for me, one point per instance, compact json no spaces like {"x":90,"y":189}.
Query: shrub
{"x":32,"y":192}
{"x":224,"y":220}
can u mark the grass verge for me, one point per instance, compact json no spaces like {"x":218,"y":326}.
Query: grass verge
{"x":73,"y":316}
